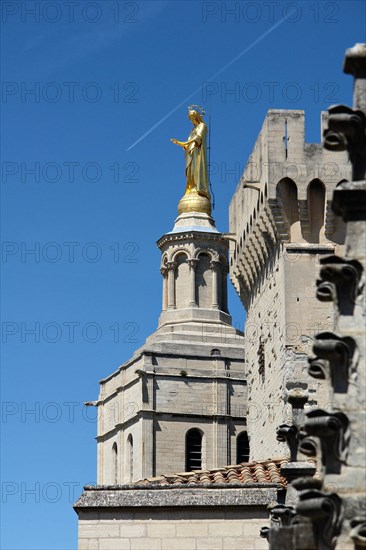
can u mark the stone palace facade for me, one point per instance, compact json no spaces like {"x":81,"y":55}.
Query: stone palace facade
{"x":205,"y":432}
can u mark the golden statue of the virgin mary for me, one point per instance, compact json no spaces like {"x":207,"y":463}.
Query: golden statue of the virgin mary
{"x":197,"y":195}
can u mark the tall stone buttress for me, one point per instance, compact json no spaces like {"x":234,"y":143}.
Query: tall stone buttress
{"x":179,"y":403}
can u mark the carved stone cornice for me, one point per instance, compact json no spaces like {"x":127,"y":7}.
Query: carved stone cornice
{"x":310,"y":446}
{"x":333,"y":359}
{"x":290,"y":435}
{"x":333,"y":432}
{"x":192,"y":236}
{"x":346,"y":131}
{"x":282,"y":515}
{"x":339,"y":282}
{"x":325,"y":510}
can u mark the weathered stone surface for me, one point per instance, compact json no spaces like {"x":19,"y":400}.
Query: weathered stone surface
{"x":162,"y":497}
{"x":283,"y":225}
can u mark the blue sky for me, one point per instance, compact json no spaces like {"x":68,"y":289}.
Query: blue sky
{"x":91,"y":207}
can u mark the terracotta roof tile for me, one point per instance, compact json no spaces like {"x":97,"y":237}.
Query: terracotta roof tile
{"x":246,"y":473}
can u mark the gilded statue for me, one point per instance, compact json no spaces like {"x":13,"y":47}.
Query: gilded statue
{"x":195,"y":152}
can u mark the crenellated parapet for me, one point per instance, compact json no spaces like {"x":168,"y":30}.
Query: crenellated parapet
{"x":283,"y":197}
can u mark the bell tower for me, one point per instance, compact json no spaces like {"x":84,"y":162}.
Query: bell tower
{"x":179,"y":403}
{"x":194,"y":267}
{"x":187,"y":380}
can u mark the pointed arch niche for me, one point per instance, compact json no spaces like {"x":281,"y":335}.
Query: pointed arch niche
{"x":316,"y":209}
{"x":286,"y":192}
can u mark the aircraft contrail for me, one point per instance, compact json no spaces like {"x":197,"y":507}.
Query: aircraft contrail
{"x":212,"y":77}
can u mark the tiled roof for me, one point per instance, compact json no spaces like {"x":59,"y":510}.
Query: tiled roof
{"x":240,"y":474}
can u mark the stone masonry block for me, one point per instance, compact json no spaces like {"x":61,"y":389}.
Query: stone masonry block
{"x":226,"y":528}
{"x":162,"y":530}
{"x":88,"y":544}
{"x":179,"y":544}
{"x":194,"y":529}
{"x":98,"y":530}
{"x":239,"y":543}
{"x":209,"y":544}
{"x":146,"y":544}
{"x":114,"y":544}
{"x":133,"y":530}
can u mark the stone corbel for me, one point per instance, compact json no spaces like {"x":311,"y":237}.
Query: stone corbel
{"x":280,"y":533}
{"x":358,"y":532}
{"x":339,"y":282}
{"x":297,"y":397}
{"x":282,"y":515}
{"x":346,"y":131}
{"x":310,"y":446}
{"x":290,"y":435}
{"x":333,"y":359}
{"x":333,"y":433}
{"x":288,"y":530}
{"x":325,"y":511}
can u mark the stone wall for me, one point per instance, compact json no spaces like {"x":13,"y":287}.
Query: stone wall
{"x":193,"y":519}
{"x":178,"y":530}
{"x":158,"y":399}
{"x":281,"y":225}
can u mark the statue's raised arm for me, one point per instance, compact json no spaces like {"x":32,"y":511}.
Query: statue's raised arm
{"x":195,"y":151}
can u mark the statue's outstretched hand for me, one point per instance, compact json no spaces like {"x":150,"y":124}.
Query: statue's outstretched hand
{"x":177,"y":142}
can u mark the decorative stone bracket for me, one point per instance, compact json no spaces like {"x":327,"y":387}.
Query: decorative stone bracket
{"x":339,"y":282}
{"x":332,"y":361}
{"x":310,"y":446}
{"x":290,"y":435}
{"x":325,"y":510}
{"x":281,"y":518}
{"x":346,"y":130}
{"x":333,"y":433}
{"x":264,"y":532}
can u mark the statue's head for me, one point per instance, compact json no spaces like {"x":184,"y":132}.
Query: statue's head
{"x":195,"y":113}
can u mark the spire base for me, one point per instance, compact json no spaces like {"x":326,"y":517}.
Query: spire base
{"x":194,"y":202}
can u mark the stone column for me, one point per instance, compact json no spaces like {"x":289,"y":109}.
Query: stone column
{"x":171,"y":284}
{"x":164,"y":272}
{"x":192,"y":269}
{"x":215,"y":283}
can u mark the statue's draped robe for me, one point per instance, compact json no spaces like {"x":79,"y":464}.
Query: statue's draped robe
{"x":196,"y":161}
